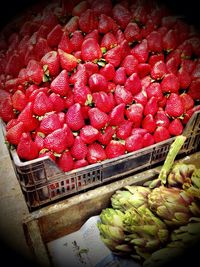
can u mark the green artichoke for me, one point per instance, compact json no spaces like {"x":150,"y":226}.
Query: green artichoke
{"x":175,"y":206}
{"x":193,"y":186}
{"x":130,"y":196}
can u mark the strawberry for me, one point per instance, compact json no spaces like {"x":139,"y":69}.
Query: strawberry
{"x":108,"y":41}
{"x":67,"y":61}
{"x":161,"y":118}
{"x":134,"y":142}
{"x":121,"y":15}
{"x":42,"y":104}
{"x":80,"y":77}
{"x":74,"y":117}
{"x":188,"y":114}
{"x":34,"y":71}
{"x":39,"y":141}
{"x":36,"y":92}
{"x":170,"y":40}
{"x":60,"y":85}
{"x":98,"y":82}
{"x":172,"y":64}
{"x":116,"y":116}
{"x":141,"y":98}
{"x":40,"y":48}
{"x":59,"y":140}
{"x":133,"y":84}
{"x":103,"y":101}
{"x":79,"y":8}
{"x":106,"y":24}
{"x":76,"y":40}
{"x":65,"y":161}
{"x":132,"y":32}
{"x":94,"y":34}
{"x":120,"y":76}
{"x":13,"y":134}
{"x":184,"y":78}
{"x":98,"y":118}
{"x":80,"y":163}
{"x":47,"y":154}
{"x":71,"y":25}
{"x":54,"y":36}
{"x":90,"y":68}
{"x":124,"y":130}
{"x":170,"y":83}
{"x":125,"y":48}
{"x":100,"y":7}
{"x":27,"y":149}
{"x":154,"y":89}
{"x":160,"y":134}
{"x":79,"y":149}
{"x":187,"y":101}
{"x":174,"y":106}
{"x":143,"y":69}
{"x":155,"y":58}
{"x":50,"y":122}
{"x":69,"y":99}
{"x":51,"y":61}
{"x":149,"y":123}
{"x":19,"y":100}
{"x":96,"y":153}
{"x":65,"y":43}
{"x":154,"y":40}
{"x":88,"y":21}
{"x":194,"y":91}
{"x":175,"y":127}
{"x":140,"y":51}
{"x":122,"y":95}
{"x":90,"y":50}
{"x":30,"y":89}
{"x":89,"y":134}
{"x":188,"y":65}
{"x":115,"y":149}
{"x":27,"y":117}
{"x":147,"y":140}
{"x":108,"y":71}
{"x":114,"y":56}
{"x":120,"y":36}
{"x":130,"y":64}
{"x":57,"y":101}
{"x":14,"y":64}
{"x":134,"y":112}
{"x":82,"y":95}
{"x":140,"y":131}
{"x":106,"y":135}
{"x":158,"y":70}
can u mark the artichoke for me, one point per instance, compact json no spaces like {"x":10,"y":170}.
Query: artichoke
{"x":193,"y":186}
{"x":147,"y":232}
{"x":175,"y":206}
{"x":130,"y":196}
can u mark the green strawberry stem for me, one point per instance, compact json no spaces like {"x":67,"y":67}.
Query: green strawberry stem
{"x":169,"y":161}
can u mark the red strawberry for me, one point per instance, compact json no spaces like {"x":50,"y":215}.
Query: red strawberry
{"x":76,"y":40}
{"x":124,"y":129}
{"x":116,"y":116}
{"x":65,"y":161}
{"x":91,"y":68}
{"x":194,"y":91}
{"x":94,"y":34}
{"x":80,"y":77}
{"x":27,"y":149}
{"x":51,"y":60}
{"x":170,"y":40}
{"x":106,"y":24}
{"x":188,"y":65}
{"x":158,"y":70}
{"x":140,"y":131}
{"x":154,"y":89}
{"x":115,"y":149}
{"x":37,"y":91}
{"x":98,"y":118}
{"x":34,"y":71}
{"x":26,"y":116}
{"x":67,"y":61}
{"x":134,"y":142}
{"x":90,"y":50}
{"x":42,"y":104}
{"x":82,"y":95}
{"x":133,"y":84}
{"x":148,"y":140}
{"x":100,"y":7}
{"x":54,"y":36}
{"x":74,"y":117}
{"x":106,"y":135}
{"x":79,"y":149}
{"x":59,"y":140}
{"x":69,"y":99}
{"x":30,"y":89}
{"x":174,"y":106}
{"x":103,"y":101}
{"x":161,"y":118}
{"x":39,"y":141}
{"x":122,"y":95}
{"x":120,"y":76}
{"x":189,"y":114}
{"x":40,"y":48}
{"x":175,"y":127}
{"x":114,"y":56}
{"x":187,"y":101}
{"x":89,"y":134}
{"x":14,"y":133}
{"x":14,"y":64}
{"x":151,"y":106}
{"x":135,"y":112}
{"x":98,"y":82}
{"x":65,"y":43}
{"x":57,"y":101}
{"x":108,"y":41}
{"x":154,"y":40}
{"x":155,"y":58}
{"x":80,"y":163}
{"x":160,"y":134}
{"x":130,"y":64}
{"x":132,"y":32}
{"x":143,"y":69}
{"x":108,"y":71}
{"x":170,"y":83}
{"x":50,"y":123}
{"x":19,"y":100}
{"x":88,"y":21}
{"x":184,"y":78}
{"x":141,"y":98}
{"x":149,"y":123}
{"x":60,"y":85}
{"x":96,"y":153}
{"x":121,"y":15}
{"x":140,"y":51}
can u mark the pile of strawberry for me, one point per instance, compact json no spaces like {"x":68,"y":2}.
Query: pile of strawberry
{"x":85,"y":81}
